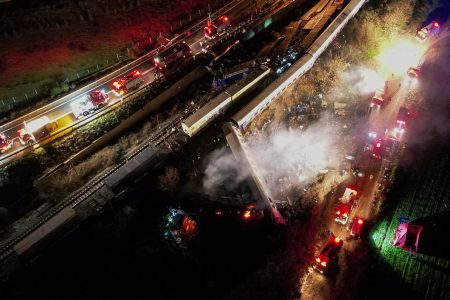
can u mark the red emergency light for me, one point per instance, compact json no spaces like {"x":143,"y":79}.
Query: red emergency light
{"x":436,"y":24}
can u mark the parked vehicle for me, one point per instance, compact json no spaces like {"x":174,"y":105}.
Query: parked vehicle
{"x":90,"y":103}
{"x":5,"y":143}
{"x":36,"y":130}
{"x":328,"y":254}
{"x":129,"y":82}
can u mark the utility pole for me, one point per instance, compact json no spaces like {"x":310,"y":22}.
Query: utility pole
{"x":73,"y":168}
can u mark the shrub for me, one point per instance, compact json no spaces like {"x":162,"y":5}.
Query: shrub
{"x":169,"y":181}
{"x":3,"y":216}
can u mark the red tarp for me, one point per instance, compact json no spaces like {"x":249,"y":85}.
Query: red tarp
{"x":407,"y":237}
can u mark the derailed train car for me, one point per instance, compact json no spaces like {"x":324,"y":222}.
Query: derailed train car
{"x":257,"y":105}
{"x":150,"y":157}
{"x":216,"y":106}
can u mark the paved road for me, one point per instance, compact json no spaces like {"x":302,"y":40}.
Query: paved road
{"x":61,"y":112}
{"x":318,"y":286}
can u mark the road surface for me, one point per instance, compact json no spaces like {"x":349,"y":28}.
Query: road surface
{"x":344,"y":280}
{"x":60,"y":111}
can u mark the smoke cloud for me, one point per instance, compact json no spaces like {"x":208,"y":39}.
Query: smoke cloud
{"x":432,"y":106}
{"x":362,"y":80}
{"x":223,"y":172}
{"x":294,"y":157}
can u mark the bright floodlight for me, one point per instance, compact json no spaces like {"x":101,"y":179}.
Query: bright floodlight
{"x":396,"y":57}
{"x":363,"y":80}
{"x":372,"y":134}
{"x":371,"y":80}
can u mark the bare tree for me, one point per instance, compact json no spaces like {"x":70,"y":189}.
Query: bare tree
{"x":169,"y":180}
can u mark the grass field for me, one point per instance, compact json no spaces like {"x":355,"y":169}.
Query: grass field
{"x":423,"y":192}
{"x":49,"y":42}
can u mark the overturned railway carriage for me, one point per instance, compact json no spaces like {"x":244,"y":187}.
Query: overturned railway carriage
{"x":133,"y":168}
{"x":44,"y":234}
{"x":255,"y":107}
{"x":220,"y":103}
{"x":26,"y":246}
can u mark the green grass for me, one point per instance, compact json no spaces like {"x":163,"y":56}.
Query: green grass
{"x":34,"y":58}
{"x":424,"y":192}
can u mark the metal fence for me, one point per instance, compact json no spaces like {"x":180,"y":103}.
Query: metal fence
{"x":55,"y":89}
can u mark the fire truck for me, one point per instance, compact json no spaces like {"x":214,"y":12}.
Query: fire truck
{"x":90,"y":103}
{"x":217,"y":28}
{"x":36,"y":130}
{"x":342,"y":213}
{"x":377,"y":99}
{"x":347,"y":201}
{"x":5,"y":143}
{"x":374,"y":145}
{"x":170,"y":56}
{"x":129,"y":82}
{"x":428,"y":31}
{"x":328,"y":254}
{"x":380,"y":98}
{"x":357,"y":227}
{"x":402,"y":118}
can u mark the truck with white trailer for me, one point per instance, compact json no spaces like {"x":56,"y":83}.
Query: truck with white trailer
{"x":89,"y":103}
{"x":35,"y":130}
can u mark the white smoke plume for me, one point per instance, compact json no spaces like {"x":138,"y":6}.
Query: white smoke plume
{"x":295,"y":156}
{"x":362,"y":80}
{"x":223,"y":171}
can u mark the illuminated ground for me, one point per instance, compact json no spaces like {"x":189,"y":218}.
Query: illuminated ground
{"x":421,"y":194}
{"x":51,"y":42}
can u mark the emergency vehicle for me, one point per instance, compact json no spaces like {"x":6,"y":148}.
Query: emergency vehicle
{"x":374,"y":145}
{"x":328,"y":254}
{"x":170,"y":56}
{"x":5,"y":143}
{"x":428,"y":31}
{"x":357,"y":227}
{"x":216,"y":28}
{"x":129,"y":82}
{"x":35,"y":130}
{"x":90,"y":103}
{"x":347,"y":201}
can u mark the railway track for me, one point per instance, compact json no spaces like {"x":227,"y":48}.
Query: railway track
{"x":88,"y":191}
{"x":75,"y":200}
{"x":98,"y":183}
{"x":14,"y":125}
